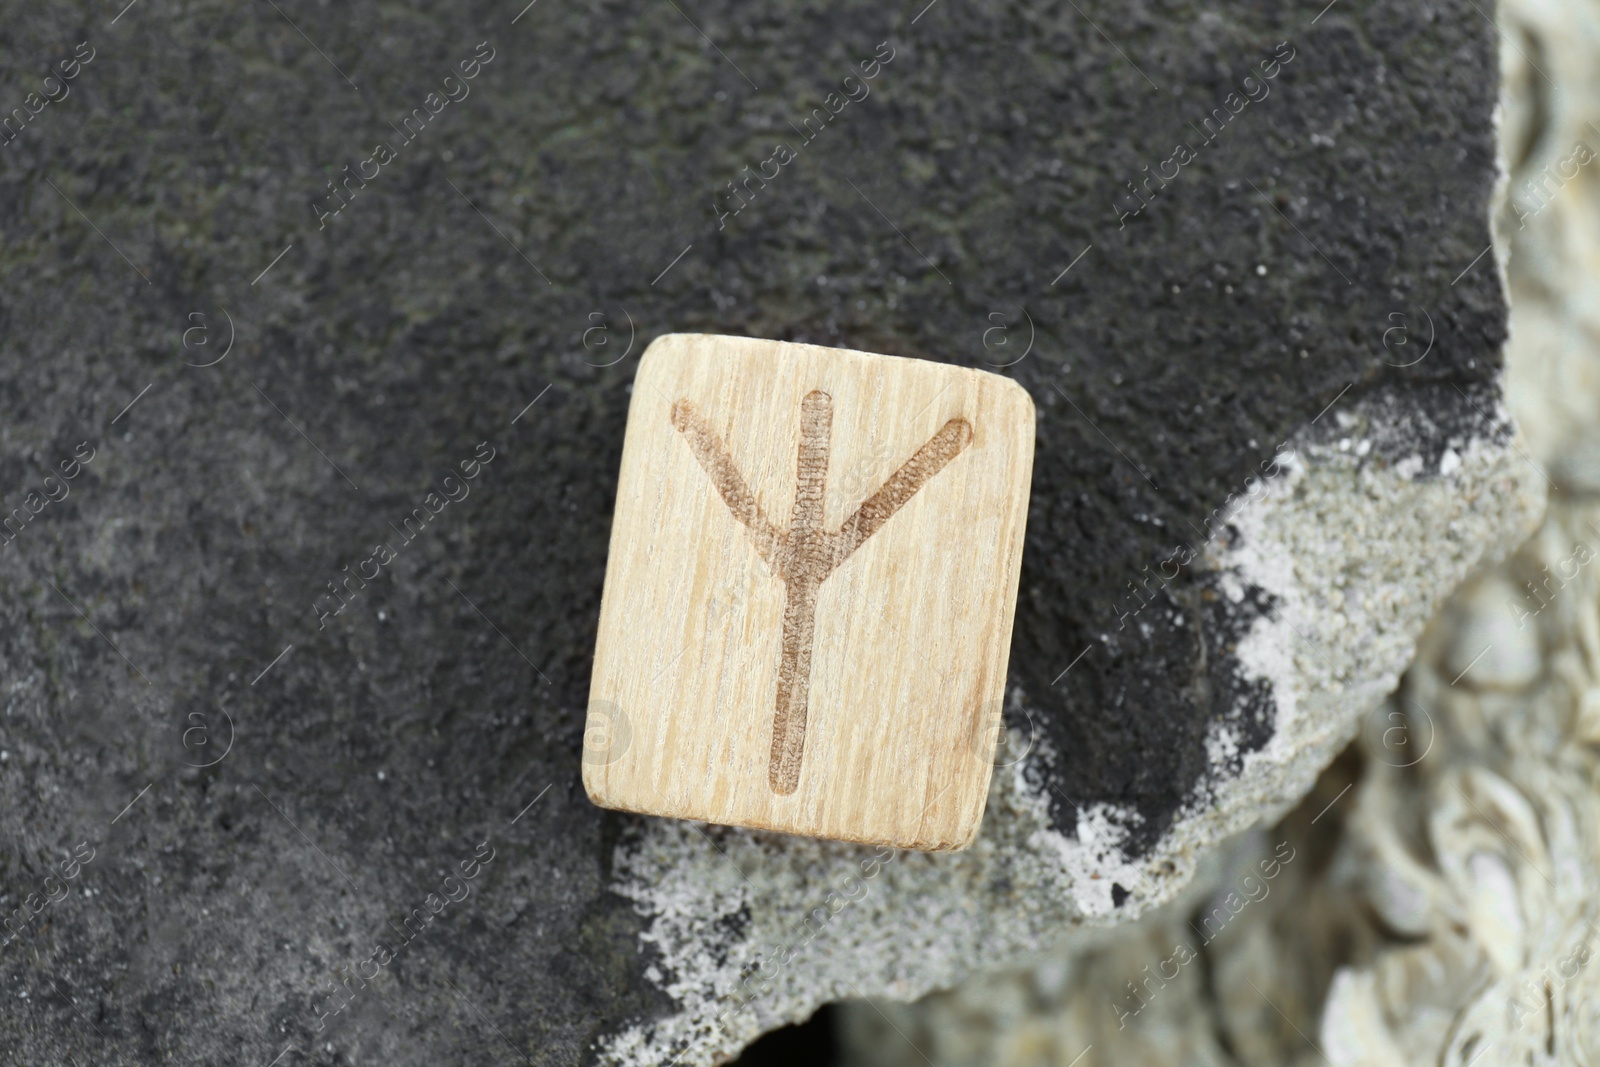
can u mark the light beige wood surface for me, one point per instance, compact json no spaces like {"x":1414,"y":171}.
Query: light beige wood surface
{"x":810,"y":590}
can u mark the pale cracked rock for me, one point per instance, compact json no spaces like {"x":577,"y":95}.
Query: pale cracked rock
{"x":752,"y":931}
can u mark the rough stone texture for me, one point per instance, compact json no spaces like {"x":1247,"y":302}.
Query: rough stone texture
{"x":1437,"y":901}
{"x":1170,"y":364}
{"x":1441,"y":908}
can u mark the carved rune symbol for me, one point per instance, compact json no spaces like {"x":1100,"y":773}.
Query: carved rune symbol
{"x":804,"y":555}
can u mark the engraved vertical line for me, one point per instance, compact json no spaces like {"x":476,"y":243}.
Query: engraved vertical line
{"x":806,"y":565}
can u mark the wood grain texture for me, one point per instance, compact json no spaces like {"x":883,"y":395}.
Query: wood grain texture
{"x":838,"y":674}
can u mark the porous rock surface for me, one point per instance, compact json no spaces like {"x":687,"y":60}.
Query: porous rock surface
{"x":341,"y":828}
{"x":1438,"y":903}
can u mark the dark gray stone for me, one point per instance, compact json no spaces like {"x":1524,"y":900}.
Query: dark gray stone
{"x":579,"y":177}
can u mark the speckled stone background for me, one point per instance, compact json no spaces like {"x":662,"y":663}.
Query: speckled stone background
{"x":1441,"y":905}
{"x":521,"y":250}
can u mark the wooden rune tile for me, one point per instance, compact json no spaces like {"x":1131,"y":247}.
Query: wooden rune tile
{"x":810,"y":589}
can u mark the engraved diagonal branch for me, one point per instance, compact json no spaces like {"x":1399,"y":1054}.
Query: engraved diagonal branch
{"x":713,"y":455}
{"x":902,"y":485}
